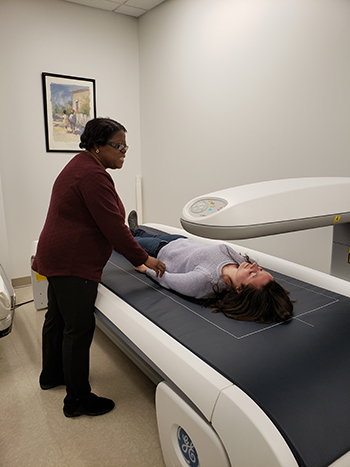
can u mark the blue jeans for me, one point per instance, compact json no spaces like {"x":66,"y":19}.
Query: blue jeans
{"x":152,"y":244}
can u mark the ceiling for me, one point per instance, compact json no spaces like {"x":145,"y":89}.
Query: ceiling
{"x":134,"y":8}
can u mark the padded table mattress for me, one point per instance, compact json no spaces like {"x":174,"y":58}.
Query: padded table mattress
{"x":297,"y":372}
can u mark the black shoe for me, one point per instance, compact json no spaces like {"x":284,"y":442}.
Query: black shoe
{"x":93,"y":406}
{"x":132,"y":221}
{"x":51,"y":386}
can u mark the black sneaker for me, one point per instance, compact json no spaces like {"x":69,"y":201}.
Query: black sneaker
{"x":93,"y":406}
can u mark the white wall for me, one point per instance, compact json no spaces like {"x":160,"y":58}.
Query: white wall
{"x":58,"y":37}
{"x":232,"y":92}
{"x":241,"y":91}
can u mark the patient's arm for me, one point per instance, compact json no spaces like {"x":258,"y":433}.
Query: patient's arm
{"x":143,"y":268}
{"x":193,"y":283}
{"x":187,"y":283}
{"x":154,"y":264}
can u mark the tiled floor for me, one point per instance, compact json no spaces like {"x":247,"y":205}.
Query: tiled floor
{"x":33,"y":429}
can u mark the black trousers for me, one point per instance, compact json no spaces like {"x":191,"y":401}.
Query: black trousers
{"x":67,"y":335}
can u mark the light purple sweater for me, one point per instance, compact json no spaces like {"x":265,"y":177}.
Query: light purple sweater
{"x":193,"y":267}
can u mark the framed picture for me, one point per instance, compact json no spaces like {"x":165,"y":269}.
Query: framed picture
{"x":69,"y":103}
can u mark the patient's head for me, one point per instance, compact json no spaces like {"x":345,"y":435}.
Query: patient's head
{"x":267,"y":304}
{"x":246,"y":273}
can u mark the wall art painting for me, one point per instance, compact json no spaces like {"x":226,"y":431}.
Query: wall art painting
{"x":69,"y":103}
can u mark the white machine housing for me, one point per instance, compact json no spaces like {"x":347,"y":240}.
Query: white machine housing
{"x":7,"y":304}
{"x":275,"y":207}
{"x":268,"y":208}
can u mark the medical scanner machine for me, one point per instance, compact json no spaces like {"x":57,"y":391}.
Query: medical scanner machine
{"x":275,"y":207}
{"x":233,"y":393}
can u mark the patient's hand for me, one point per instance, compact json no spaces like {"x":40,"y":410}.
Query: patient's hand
{"x":156,"y":265}
{"x":143,"y":268}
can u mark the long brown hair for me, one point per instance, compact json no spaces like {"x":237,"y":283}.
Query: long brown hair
{"x":268,"y":304}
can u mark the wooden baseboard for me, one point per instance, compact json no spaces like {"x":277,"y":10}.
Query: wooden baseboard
{"x":21,"y":282}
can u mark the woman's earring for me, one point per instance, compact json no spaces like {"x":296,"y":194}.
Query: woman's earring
{"x":97,"y":151}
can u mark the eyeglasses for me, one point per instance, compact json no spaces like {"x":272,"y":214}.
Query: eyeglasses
{"x":121,"y":147}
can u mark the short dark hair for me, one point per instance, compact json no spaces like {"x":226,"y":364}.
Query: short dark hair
{"x":99,"y":131}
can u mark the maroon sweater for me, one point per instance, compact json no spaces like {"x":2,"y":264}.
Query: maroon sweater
{"x":85,"y":221}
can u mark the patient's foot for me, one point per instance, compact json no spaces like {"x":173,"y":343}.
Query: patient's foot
{"x":132,"y":221}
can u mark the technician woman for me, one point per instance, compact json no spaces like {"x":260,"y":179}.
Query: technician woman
{"x":85,"y":221}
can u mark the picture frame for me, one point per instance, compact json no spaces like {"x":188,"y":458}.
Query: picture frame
{"x":69,"y":103}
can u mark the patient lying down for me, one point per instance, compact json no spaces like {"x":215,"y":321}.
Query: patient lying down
{"x":217,"y":275}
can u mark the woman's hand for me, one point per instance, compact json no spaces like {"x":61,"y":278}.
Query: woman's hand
{"x":156,"y":265}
